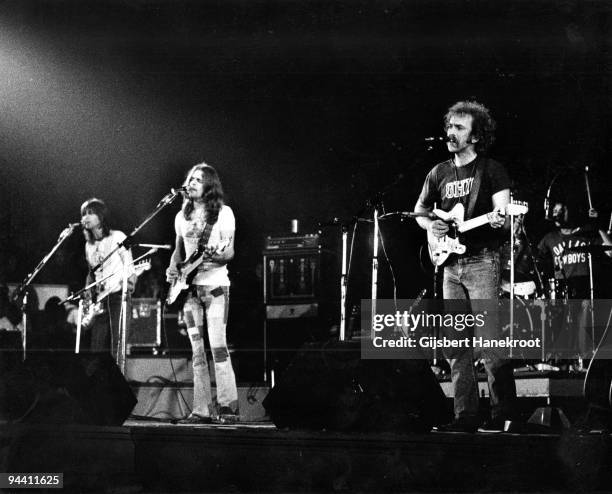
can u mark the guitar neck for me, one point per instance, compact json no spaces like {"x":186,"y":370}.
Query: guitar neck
{"x":193,"y":265}
{"x":473,"y":223}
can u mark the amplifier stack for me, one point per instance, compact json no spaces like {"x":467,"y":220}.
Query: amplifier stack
{"x":291,"y":295}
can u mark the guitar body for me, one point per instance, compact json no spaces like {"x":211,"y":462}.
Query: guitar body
{"x":441,"y":248}
{"x":91,"y":310}
{"x":177,"y":287}
{"x":187,"y":269}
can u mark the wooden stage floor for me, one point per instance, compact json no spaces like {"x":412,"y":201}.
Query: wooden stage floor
{"x":142,"y":456}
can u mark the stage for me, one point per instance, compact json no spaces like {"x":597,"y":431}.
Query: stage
{"x":150,"y":454}
{"x":146,"y":457}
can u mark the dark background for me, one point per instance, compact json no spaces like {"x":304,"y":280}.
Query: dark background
{"x":306,"y":108}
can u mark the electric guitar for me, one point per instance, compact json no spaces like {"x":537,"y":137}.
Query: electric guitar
{"x":441,"y":248}
{"x":91,"y":309}
{"x":187,"y":269}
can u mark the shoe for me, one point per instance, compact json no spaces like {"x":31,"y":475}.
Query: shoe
{"x":227,"y":416}
{"x":461,"y":424}
{"x":193,"y":419}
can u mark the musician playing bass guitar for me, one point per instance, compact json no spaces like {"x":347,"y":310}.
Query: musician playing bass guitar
{"x":205,"y":229}
{"x":100,"y":241}
{"x":479,"y":185}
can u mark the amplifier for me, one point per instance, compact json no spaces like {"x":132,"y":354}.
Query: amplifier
{"x":289,"y":242}
{"x":145,"y":325}
{"x":291,"y":275}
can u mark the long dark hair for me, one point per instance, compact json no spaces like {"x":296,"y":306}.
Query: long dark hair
{"x":483,"y":125}
{"x":97,"y":207}
{"x":212,"y":196}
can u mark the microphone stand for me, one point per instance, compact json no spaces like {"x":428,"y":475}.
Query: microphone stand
{"x":165,"y":201}
{"x":79,"y":295}
{"x":591,"y":280}
{"x":547,"y":199}
{"x":511,"y":280}
{"x":343,"y":284}
{"x":374,"y":293}
{"x":529,"y":250}
{"x":21,"y":291}
{"x":123,"y":315}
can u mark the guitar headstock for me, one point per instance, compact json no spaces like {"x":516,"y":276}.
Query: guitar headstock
{"x":516,"y":208}
{"x":142,"y":266}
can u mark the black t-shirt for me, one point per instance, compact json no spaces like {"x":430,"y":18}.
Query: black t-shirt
{"x":567,"y":263}
{"x":446,"y":185}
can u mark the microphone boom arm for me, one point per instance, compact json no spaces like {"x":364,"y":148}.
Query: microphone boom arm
{"x":166,"y":201}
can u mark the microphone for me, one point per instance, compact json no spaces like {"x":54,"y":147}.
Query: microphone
{"x":171,"y":196}
{"x":433,"y":139}
{"x":69,"y":229}
{"x":155,"y":246}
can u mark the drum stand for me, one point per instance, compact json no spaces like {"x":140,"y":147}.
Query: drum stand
{"x":374,"y":293}
{"x":511,"y":282}
{"x":592,"y":304}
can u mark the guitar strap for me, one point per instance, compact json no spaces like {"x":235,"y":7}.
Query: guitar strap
{"x":475,"y":188}
{"x":208,"y":226}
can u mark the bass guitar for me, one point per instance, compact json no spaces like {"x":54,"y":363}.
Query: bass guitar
{"x":92,"y":309}
{"x":441,"y":248}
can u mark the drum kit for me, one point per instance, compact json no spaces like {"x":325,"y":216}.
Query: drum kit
{"x":557,"y":321}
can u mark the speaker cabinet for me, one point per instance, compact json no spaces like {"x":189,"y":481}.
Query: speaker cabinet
{"x":328,"y":386}
{"x":291,"y":275}
{"x":145,"y":324}
{"x":64,"y":388}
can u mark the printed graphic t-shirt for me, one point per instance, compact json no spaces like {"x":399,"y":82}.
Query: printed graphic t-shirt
{"x":567,"y":263}
{"x":209,"y":273}
{"x":447,"y":185}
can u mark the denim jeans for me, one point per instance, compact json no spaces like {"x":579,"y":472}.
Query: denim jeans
{"x":476,"y":277}
{"x":105,"y":330}
{"x":214,"y":302}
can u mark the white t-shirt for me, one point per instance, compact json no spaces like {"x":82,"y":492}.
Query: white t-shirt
{"x":95,"y":252}
{"x":209,"y":273}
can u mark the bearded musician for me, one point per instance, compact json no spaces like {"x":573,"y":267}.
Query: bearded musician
{"x":475,"y":274}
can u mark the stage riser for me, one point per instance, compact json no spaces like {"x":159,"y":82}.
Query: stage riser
{"x":175,"y":402}
{"x":92,"y":458}
{"x":229,"y":459}
{"x":328,"y":462}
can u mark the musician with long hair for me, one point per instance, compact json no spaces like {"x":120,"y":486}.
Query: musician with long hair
{"x":105,"y":303}
{"x":481,"y":185}
{"x":206,"y":225}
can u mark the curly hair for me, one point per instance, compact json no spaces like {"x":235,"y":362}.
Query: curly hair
{"x":212,"y":196}
{"x":483,"y":125}
{"x":98,"y":207}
